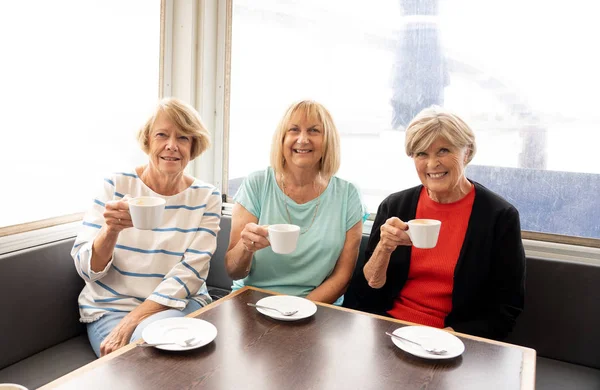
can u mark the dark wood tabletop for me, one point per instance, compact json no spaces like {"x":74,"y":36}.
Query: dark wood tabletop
{"x":334,"y":349}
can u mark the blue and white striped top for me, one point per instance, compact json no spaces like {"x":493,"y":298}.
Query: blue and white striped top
{"x":168,"y":265}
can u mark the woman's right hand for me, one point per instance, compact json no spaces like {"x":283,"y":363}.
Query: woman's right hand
{"x":254,"y":237}
{"x":116,"y":215}
{"x":393,"y":234}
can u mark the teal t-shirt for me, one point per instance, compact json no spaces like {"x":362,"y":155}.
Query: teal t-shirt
{"x":340,"y":208}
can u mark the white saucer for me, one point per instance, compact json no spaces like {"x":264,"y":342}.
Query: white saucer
{"x":179,"y":329}
{"x":430,"y":337}
{"x":305,"y":307}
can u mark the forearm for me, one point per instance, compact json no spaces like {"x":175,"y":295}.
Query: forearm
{"x":375,"y":270}
{"x":330,"y":290}
{"x":103,"y":248}
{"x":338,"y":281}
{"x":238,"y":261}
{"x":145,"y":310}
{"x":127,"y":325}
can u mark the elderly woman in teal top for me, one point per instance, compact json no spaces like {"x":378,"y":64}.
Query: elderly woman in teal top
{"x":298,"y":188}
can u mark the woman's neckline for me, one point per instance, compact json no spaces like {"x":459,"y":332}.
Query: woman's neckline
{"x":449,"y":204}
{"x":139,"y":170}
{"x":310,"y":202}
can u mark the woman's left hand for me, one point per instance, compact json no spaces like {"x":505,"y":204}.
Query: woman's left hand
{"x":122,"y":333}
{"x":119,"y":336}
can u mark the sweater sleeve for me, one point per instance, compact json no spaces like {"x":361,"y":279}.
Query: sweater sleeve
{"x":508,"y":281}
{"x":93,"y":221}
{"x":187,"y":279}
{"x":364,"y":297}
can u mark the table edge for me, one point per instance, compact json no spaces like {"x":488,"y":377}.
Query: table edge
{"x":528,"y":364}
{"x":90,"y":366}
{"x":528,"y":371}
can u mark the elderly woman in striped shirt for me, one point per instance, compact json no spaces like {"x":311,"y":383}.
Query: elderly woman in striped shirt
{"x":134,"y":277}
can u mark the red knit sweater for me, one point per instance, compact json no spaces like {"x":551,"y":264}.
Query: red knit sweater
{"x":426,"y":297}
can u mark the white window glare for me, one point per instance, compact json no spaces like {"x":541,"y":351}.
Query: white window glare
{"x":522,"y":74}
{"x":78,"y":80}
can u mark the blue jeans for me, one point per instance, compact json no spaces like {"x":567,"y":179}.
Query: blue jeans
{"x":99,"y":329}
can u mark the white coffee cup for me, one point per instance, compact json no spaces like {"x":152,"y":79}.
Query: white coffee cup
{"x":424,"y":232}
{"x":283,"y":238}
{"x":11,"y":386}
{"x":146,"y":212}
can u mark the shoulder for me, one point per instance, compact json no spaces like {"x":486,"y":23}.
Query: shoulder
{"x":253,"y":188}
{"x":260,"y":176}
{"x":402,"y":204}
{"x":491,"y":200}
{"x":121,"y":178}
{"x":344,"y":193}
{"x":203,"y":186}
{"x":400,"y":198}
{"x":129,"y":175}
{"x":257,"y":181}
{"x":343,"y":184}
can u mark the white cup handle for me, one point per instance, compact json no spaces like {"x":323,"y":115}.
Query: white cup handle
{"x":407,"y":231}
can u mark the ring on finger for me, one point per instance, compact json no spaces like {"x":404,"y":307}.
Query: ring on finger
{"x":252,"y":243}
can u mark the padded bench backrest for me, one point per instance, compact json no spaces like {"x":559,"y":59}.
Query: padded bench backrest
{"x":38,"y":304}
{"x":561,"y":319}
{"x":39,"y":289}
{"x":38,"y":300}
{"x":217,"y":275}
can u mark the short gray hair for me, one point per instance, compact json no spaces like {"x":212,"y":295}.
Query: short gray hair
{"x":434,"y":122}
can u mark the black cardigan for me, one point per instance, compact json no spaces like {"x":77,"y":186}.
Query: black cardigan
{"x":489,"y":278}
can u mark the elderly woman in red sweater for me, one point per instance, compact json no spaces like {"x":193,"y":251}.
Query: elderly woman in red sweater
{"x":472,"y":281}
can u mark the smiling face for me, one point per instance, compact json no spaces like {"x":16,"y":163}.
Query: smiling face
{"x":169,"y":149}
{"x":441,"y":170}
{"x":303,"y":142}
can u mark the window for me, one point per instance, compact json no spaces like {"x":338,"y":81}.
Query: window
{"x":78,"y":79}
{"x":522,"y":74}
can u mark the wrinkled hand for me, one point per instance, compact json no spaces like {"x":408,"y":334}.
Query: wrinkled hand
{"x":254,"y":237}
{"x":393,"y":234}
{"x":116,"y":215}
{"x":118,"y":338}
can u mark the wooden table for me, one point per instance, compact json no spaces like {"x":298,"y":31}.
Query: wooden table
{"x":337,"y":348}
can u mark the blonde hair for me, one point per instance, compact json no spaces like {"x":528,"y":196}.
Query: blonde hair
{"x":313,"y":111}
{"x":434,"y":122}
{"x":185,"y":117}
